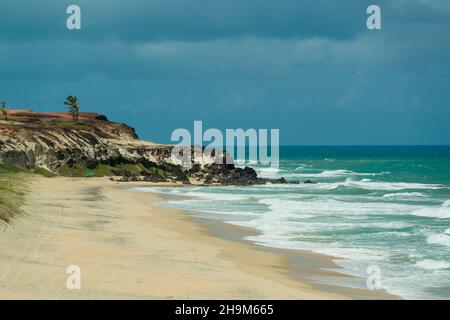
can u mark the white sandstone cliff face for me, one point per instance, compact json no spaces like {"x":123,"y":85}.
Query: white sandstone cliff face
{"x":50,"y":146}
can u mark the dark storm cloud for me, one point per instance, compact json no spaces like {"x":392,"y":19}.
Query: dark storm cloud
{"x":310,"y":68}
{"x":193,"y":20}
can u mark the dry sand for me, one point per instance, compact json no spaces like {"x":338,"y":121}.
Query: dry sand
{"x":129,"y":248}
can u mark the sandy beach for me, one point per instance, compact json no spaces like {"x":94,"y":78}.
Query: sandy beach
{"x":128,"y":247}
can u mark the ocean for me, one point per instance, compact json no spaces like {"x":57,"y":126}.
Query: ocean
{"x":383,"y":206}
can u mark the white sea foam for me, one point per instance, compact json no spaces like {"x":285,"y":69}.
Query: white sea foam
{"x":379,"y":185}
{"x":217,"y":196}
{"x":240,"y":214}
{"x":329,"y":174}
{"x":335,"y":249}
{"x":439,"y":239}
{"x":301,"y":228}
{"x":302,"y":166}
{"x":149,"y":189}
{"x":374,"y":185}
{"x":354,"y":254}
{"x":325,"y":206}
{"x":404,"y":195}
{"x":308,"y":217}
{"x":365,"y":184}
{"x":268,"y":172}
{"x":293,"y":218}
{"x":161,"y":190}
{"x":326,"y":174}
{"x":430,"y":264}
{"x":275,"y":172}
{"x":441,"y":212}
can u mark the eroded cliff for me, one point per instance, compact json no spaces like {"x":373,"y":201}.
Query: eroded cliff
{"x":96,"y":146}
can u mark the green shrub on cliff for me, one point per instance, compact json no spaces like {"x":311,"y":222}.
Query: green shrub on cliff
{"x":75,"y":126}
{"x":101,"y":170}
{"x":43,"y":172}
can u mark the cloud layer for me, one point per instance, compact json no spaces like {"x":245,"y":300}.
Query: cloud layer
{"x":310,"y":68}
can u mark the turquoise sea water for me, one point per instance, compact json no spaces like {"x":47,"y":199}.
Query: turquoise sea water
{"x":382,"y":206}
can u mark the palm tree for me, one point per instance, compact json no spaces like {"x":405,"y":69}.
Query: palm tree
{"x":3,"y":110}
{"x":73,"y":107}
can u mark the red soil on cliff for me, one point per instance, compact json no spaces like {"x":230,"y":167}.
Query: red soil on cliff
{"x":63,"y":116}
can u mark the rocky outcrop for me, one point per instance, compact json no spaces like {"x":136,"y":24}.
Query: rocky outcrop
{"x":53,"y":142}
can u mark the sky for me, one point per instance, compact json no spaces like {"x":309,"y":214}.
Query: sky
{"x":311,"y":69}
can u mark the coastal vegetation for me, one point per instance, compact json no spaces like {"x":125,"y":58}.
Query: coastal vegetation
{"x":12,"y":191}
{"x":3,"y":110}
{"x":73,"y":107}
{"x":43,"y":172}
{"x":125,"y":170}
{"x":73,"y":125}
{"x":82,"y":171}
{"x":13,"y":188}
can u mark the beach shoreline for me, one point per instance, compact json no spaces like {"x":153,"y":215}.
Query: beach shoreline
{"x":315,"y":269}
{"x":128,"y":247}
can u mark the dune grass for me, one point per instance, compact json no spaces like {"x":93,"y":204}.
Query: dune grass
{"x":43,"y":172}
{"x":13,"y":188}
{"x":12,"y":191}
